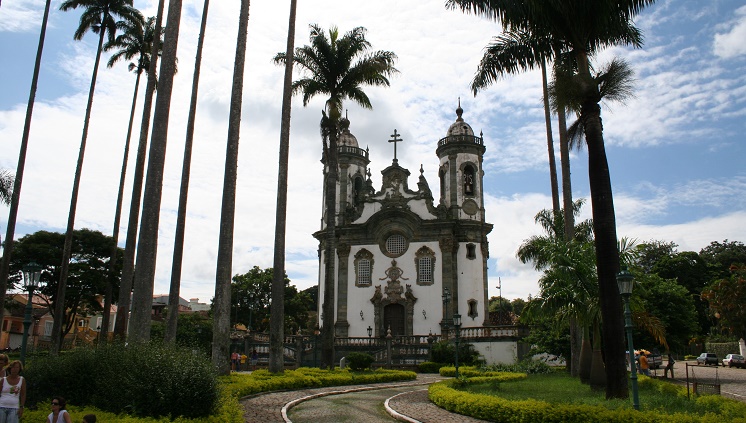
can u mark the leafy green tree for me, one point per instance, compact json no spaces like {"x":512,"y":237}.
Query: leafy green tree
{"x":720,"y":256}
{"x":727,"y":297}
{"x":194,"y":330}
{"x":251,"y":301}
{"x":99,"y":16}
{"x":584,"y":27}
{"x":338,"y":68}
{"x":88,"y":270}
{"x":693,"y":273}
{"x":671,"y":304}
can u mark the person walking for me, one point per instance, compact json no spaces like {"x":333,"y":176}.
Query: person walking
{"x":59,"y":412}
{"x":254,"y":359}
{"x":644,"y":367}
{"x":12,"y":394}
{"x":669,"y":366}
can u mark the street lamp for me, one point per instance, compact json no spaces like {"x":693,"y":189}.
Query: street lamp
{"x":370,"y":334}
{"x":446,"y":299}
{"x":625,"y":281}
{"x":31,"y":276}
{"x":457,"y":327}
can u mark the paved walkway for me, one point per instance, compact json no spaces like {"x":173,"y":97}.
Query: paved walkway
{"x":408,"y":401}
{"x":411,"y":404}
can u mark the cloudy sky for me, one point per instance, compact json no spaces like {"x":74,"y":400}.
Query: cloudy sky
{"x":676,"y":151}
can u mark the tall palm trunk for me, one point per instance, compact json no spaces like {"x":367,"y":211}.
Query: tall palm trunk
{"x":222,"y":302}
{"x":550,"y":141}
{"x":59,"y":300}
{"x":277,"y":316}
{"x":330,"y":189}
{"x":16,"y":195}
{"x":104,"y":332}
{"x":147,"y":246}
{"x":173,"y":295}
{"x":604,"y":229}
{"x":128,"y":265}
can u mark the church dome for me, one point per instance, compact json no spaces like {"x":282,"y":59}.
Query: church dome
{"x":460,"y":127}
{"x":346,"y":137}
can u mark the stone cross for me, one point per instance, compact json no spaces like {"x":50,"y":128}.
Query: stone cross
{"x":395,"y":139}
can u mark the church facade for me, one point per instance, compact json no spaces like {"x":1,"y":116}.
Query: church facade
{"x":404,"y":261}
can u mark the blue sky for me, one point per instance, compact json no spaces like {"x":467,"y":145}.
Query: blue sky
{"x":676,"y":151}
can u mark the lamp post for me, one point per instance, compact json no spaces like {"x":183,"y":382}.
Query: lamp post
{"x":315,"y":345}
{"x":31,"y":276}
{"x":370,"y":334}
{"x":457,"y":327}
{"x":446,"y":299}
{"x":625,"y":281}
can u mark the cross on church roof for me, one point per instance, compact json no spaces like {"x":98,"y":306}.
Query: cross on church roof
{"x":395,"y":139}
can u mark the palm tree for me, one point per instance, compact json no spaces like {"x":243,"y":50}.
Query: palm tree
{"x":173,"y":294}
{"x":222,"y":310}
{"x":277,"y":318}
{"x":6,"y":186}
{"x":134,"y":41}
{"x":11,"y":191}
{"x":583,"y":27}
{"x":128,"y":261}
{"x":99,"y":17}
{"x":337,"y":68}
{"x":148,"y":241}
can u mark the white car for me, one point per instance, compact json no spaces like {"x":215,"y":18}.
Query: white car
{"x":734,"y":360}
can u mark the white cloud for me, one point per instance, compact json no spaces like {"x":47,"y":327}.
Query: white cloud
{"x":730,"y":43}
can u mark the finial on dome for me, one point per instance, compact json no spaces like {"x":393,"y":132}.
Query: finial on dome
{"x":459,"y":111}
{"x":421,"y":169}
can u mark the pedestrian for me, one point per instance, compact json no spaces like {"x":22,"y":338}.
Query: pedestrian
{"x":89,"y":418}
{"x":669,"y":366}
{"x":234,"y":360}
{"x":254,"y":359}
{"x":59,"y":412}
{"x":12,"y":394}
{"x":644,"y":368}
{"x":243,"y":362}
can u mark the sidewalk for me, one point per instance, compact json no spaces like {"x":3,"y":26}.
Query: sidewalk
{"x":412,"y":406}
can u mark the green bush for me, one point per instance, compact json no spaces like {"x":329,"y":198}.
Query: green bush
{"x":525,"y":366}
{"x":445,"y":352}
{"x":430,"y":367}
{"x":144,"y":380}
{"x":359,"y":361}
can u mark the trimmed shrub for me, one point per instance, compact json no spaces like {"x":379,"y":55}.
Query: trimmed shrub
{"x":144,"y":380}
{"x":430,"y":367}
{"x":445,"y":352}
{"x":359,"y":361}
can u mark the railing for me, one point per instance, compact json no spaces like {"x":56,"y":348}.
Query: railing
{"x":468,"y":139}
{"x":347,"y":149}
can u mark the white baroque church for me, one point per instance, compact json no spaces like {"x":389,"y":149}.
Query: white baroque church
{"x":405,"y":262}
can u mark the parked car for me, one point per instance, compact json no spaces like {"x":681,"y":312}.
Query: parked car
{"x":734,"y":360}
{"x":708,"y":358}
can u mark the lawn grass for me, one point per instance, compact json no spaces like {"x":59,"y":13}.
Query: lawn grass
{"x":561,"y":388}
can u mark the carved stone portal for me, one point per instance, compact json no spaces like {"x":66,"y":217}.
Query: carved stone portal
{"x":393,"y":294}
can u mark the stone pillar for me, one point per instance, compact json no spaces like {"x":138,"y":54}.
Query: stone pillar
{"x":341,"y":326}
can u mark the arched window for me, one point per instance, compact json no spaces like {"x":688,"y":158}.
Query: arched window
{"x":471,"y":251}
{"x":473,"y":312}
{"x":469,"y":180}
{"x":357,"y":191}
{"x":425,"y":263}
{"x":442,"y":177}
{"x":363,"y":268}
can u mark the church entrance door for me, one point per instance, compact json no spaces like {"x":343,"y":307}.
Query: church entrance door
{"x":393,"y":317}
